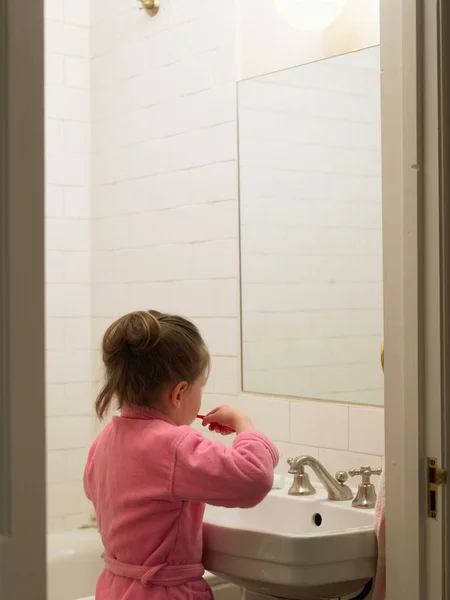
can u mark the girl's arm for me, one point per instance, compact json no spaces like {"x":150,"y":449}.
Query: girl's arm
{"x":87,"y":468}
{"x":240,"y":476}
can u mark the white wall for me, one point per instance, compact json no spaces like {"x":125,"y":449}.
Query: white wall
{"x":310,"y":186}
{"x":68,"y":326}
{"x":164,"y":205}
{"x":267,"y":43}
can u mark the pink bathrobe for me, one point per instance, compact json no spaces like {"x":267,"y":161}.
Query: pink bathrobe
{"x":148,"y":480}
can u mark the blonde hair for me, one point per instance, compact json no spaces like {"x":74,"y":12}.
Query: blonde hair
{"x":146,"y":351}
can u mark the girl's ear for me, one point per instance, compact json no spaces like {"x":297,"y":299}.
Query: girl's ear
{"x":177,"y":394}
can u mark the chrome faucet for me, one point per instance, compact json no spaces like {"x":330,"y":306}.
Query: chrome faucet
{"x":336,"y":488}
{"x":366,"y":496}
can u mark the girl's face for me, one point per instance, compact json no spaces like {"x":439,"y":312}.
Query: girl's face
{"x":192,"y":401}
{"x":186,"y":401}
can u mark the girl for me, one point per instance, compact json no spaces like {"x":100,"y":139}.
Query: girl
{"x":149,"y":474}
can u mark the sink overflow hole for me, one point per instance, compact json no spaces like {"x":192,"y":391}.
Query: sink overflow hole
{"x":317,"y":519}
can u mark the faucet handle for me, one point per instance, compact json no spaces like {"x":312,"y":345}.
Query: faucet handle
{"x":365,"y":472}
{"x":366,"y":496}
{"x":301,"y":485}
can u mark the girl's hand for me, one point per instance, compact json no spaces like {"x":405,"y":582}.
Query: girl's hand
{"x":229,"y":417}
{"x":220,"y":429}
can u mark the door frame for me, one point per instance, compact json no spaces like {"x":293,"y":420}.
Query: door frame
{"x":22,"y":348}
{"x":412,"y":63}
{"x":444,"y":98}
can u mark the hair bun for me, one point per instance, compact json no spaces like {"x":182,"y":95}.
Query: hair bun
{"x":142,"y":331}
{"x":139,"y":331}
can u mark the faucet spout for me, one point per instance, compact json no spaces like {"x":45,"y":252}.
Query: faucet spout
{"x":337,"y":491}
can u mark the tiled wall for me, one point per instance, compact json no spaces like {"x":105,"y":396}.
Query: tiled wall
{"x":164,"y":169}
{"x":158,"y":227}
{"x":311,"y":250}
{"x":165,"y":212}
{"x":68,"y":262}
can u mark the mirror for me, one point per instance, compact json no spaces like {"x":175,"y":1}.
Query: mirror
{"x":311,"y":230}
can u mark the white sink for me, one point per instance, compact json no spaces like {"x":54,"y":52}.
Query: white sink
{"x":277,"y":548}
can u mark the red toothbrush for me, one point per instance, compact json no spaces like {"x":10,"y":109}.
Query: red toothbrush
{"x":223,"y":427}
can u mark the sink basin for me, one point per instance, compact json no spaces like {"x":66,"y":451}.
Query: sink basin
{"x":289,"y":547}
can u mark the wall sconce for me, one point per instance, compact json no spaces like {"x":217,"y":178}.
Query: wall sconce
{"x":150,"y":6}
{"x":309,"y":15}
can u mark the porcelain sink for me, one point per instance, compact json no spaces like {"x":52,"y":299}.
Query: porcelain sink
{"x":289,"y":547}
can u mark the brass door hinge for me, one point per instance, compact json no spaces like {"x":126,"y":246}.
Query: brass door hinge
{"x":436,"y":478}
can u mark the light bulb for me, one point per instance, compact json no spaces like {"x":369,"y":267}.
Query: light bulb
{"x":309,"y":15}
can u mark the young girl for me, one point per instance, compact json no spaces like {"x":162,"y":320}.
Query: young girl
{"x":149,"y":474}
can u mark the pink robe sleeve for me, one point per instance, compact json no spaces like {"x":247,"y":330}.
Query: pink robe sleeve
{"x":209,"y":472}
{"x":87,"y":490}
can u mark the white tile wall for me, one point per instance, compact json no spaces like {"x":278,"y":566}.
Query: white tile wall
{"x":68,"y":269}
{"x":363,"y":422}
{"x":158,"y":226}
{"x":165,"y":215}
